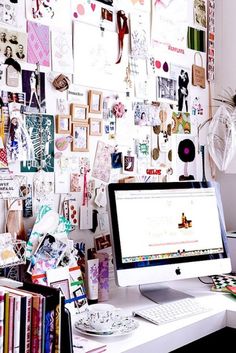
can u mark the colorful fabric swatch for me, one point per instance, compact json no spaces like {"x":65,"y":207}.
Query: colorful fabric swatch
{"x":38,"y":44}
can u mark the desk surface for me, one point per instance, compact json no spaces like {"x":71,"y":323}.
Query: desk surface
{"x":151,"y":338}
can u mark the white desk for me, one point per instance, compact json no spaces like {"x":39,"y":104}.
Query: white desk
{"x":151,"y":338}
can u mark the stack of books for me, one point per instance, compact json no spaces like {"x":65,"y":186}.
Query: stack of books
{"x":33,"y":319}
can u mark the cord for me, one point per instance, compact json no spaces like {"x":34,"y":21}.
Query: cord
{"x":204,"y":281}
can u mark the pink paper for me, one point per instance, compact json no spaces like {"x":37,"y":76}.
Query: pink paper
{"x":38,"y":44}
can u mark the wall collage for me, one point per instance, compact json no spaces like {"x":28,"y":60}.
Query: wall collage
{"x":94,"y":92}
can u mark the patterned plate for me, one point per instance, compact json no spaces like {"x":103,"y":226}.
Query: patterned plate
{"x":123,"y":327}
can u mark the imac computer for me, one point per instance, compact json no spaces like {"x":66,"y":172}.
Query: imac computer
{"x":166,"y":231}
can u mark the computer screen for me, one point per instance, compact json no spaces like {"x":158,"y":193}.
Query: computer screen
{"x":167,"y":231}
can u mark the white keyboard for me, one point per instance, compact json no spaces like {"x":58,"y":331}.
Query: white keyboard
{"x":164,"y":313}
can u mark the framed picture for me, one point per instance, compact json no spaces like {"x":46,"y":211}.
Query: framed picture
{"x":95,"y":101}
{"x":63,"y":124}
{"x":95,"y":127}
{"x":80,"y":137}
{"x":79,"y":112}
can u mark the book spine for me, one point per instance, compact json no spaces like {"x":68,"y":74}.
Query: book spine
{"x":57,"y":328}
{"x":52,"y":331}
{"x":17,"y":314}
{"x":11,"y":323}
{"x":35,"y":326}
{"x":43,"y":325}
{"x":22,"y":324}
{"x":6,"y":322}
{"x":28,"y":325}
{"x":1,"y":320}
{"x":47,"y":332}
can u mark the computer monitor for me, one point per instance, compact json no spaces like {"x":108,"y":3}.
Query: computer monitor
{"x":166,"y":231}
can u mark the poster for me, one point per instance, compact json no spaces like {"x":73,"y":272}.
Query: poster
{"x":41,"y":131}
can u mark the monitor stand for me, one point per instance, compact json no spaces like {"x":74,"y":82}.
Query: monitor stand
{"x":161,"y":294}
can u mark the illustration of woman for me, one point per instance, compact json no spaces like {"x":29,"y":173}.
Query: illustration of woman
{"x":33,"y":88}
{"x":19,"y":145}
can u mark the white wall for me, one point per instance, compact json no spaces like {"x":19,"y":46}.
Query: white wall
{"x":126,"y":131}
{"x":226,"y":78}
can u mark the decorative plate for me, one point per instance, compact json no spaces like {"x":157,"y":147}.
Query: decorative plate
{"x":123,"y":327}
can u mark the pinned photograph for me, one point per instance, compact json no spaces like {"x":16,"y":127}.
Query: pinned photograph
{"x":13,"y":44}
{"x":102,"y":241}
{"x":49,"y":250}
{"x":199,"y":10}
{"x":166,"y":90}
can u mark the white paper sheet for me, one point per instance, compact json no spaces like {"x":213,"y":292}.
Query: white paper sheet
{"x":169,"y":21}
{"x":95,"y":56}
{"x":62,"y":57}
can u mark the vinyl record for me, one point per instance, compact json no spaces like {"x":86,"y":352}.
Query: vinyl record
{"x":186,"y":150}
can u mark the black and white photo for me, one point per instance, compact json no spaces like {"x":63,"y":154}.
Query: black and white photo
{"x":166,"y":89}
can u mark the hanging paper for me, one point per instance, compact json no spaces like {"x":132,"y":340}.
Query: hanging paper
{"x":13,"y":44}
{"x":38,"y":44}
{"x":181,"y":123}
{"x":139,"y":34}
{"x":19,"y":144}
{"x":9,"y":97}
{"x":62,"y":59}
{"x":196,"y":39}
{"x":95,"y":63}
{"x":169,"y":24}
{"x":199,"y":11}
{"x":34,"y":88}
{"x":93,"y":13}
{"x":53,"y":12}
{"x":102,"y":162}
{"x":182,"y":76}
{"x":41,"y":131}
{"x":185,"y":159}
{"x":10,"y":13}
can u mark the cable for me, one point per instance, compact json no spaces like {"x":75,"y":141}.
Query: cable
{"x":204,"y":281}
